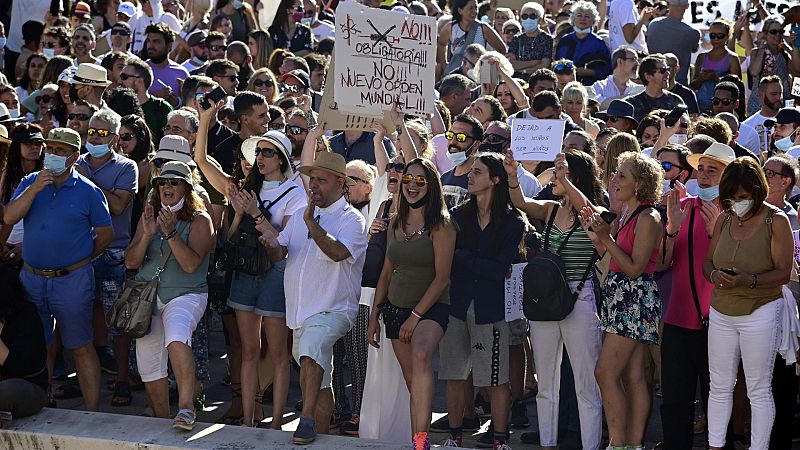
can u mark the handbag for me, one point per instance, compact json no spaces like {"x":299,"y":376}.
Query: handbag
{"x":546,"y":294}
{"x":132,"y":310}
{"x":376,"y":254}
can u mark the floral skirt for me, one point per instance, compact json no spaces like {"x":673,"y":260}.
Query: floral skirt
{"x":631,"y":307}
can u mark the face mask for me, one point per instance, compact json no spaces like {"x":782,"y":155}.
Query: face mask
{"x":307,"y":21}
{"x":488,"y":147}
{"x":742,"y":206}
{"x":708,"y":194}
{"x":177,"y":206}
{"x":73,"y":94}
{"x":2,"y":42}
{"x":49,"y":52}
{"x":784,"y":144}
{"x":679,"y":139}
{"x":530,"y":25}
{"x":458,"y":158}
{"x":197,"y":61}
{"x":54,"y":163}
{"x":666,"y":186}
{"x":297,"y":16}
{"x":707,"y":38}
{"x":420,"y":203}
{"x":583,"y":30}
{"x":237,"y":4}
{"x":97,"y":151}
{"x":269,"y":185}
{"x":14,"y":113}
{"x":692,"y":188}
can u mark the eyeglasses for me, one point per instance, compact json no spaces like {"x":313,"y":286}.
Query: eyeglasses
{"x":725,"y":101}
{"x":775,"y":31}
{"x":163,"y":182}
{"x":717,"y":35}
{"x":173,"y":129}
{"x":633,"y":58}
{"x":397,"y":167}
{"x":511,"y":31}
{"x":98,"y":131}
{"x":662,"y":70}
{"x":771,"y":173}
{"x":127,"y":137}
{"x":125,"y":76}
{"x":266,"y":152}
{"x":493,"y":138}
{"x":263,"y":83}
{"x":667,"y":166}
{"x":358,"y":180}
{"x":293,"y":88}
{"x":528,"y":16}
{"x":120,"y":32}
{"x":296,"y":129}
{"x":77,"y":116}
{"x":277,"y":126}
{"x":217,"y":48}
{"x":460,"y":137}
{"x":564,"y":66}
{"x":419,"y":180}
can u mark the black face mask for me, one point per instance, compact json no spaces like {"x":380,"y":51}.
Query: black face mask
{"x":491,"y":147}
{"x":420,"y":203}
{"x":73,"y":94}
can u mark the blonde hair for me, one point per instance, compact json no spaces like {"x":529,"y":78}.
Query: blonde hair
{"x":369,"y":170}
{"x":647,"y":173}
{"x":574,"y":90}
{"x":617,"y":145}
{"x":269,"y":73}
{"x":421,"y":130}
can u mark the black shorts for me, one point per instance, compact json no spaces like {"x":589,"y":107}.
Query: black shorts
{"x":394,"y":316}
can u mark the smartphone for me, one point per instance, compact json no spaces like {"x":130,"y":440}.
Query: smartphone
{"x":728,"y":270}
{"x":213,"y":97}
{"x":607,"y":217}
{"x":675,"y":115}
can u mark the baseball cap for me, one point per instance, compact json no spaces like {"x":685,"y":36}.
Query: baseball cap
{"x":127,"y":9}
{"x":82,"y":9}
{"x":785,"y":116}
{"x":197,"y":37}
{"x":66,"y":136}
{"x":300,"y":75}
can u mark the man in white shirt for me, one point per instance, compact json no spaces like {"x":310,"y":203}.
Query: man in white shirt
{"x":326,"y":246}
{"x":770,"y":91}
{"x":320,"y":28}
{"x":151,"y":12}
{"x":625,"y":24}
{"x":618,"y":85}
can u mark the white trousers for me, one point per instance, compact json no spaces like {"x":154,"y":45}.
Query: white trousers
{"x":583,"y":339}
{"x":173,"y":322}
{"x":753,"y":339}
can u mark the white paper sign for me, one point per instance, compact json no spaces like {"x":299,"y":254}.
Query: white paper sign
{"x":796,"y":88}
{"x":701,"y":13}
{"x":514,"y":293}
{"x":536,"y":139}
{"x":384,"y":57}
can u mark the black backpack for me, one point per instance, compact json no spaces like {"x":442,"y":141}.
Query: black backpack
{"x":546,"y":294}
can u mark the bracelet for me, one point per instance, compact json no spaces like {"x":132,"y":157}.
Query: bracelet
{"x":170,"y":235}
{"x":513,"y":187}
{"x":673,"y":234}
{"x":711,"y":277}
{"x":416,"y":314}
{"x":755,"y":281}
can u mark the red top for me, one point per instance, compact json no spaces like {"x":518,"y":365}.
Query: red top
{"x":625,"y":240}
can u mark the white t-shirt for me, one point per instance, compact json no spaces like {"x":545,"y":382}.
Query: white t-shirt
{"x":295,"y":200}
{"x":528,"y":183}
{"x":323,"y":30}
{"x":21,"y":12}
{"x":141,"y":21}
{"x":313,"y":282}
{"x":621,"y":13}
{"x":748,"y":138}
{"x":756,"y":121}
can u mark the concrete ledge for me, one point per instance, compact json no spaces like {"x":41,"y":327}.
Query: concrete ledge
{"x":59,"y":429}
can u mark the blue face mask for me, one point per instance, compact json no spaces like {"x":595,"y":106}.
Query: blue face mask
{"x":54,"y":163}
{"x":583,"y":30}
{"x":2,"y":42}
{"x":97,"y":150}
{"x":458,"y":158}
{"x":784,"y":144}
{"x":708,"y":194}
{"x":530,"y":25}
{"x":268,"y":185}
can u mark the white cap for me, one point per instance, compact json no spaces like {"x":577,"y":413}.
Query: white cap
{"x":126,"y":8}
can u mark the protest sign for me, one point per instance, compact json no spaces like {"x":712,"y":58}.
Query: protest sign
{"x":796,"y":87}
{"x":384,"y":58}
{"x":338,"y":119}
{"x":489,"y":74}
{"x":701,"y":13}
{"x":514,"y":293}
{"x":536,"y":140}
{"x":515,"y":5}
{"x":266,"y":12}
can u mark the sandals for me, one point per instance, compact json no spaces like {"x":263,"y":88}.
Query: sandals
{"x":231,"y":419}
{"x":122,"y":394}
{"x":67,"y":391}
{"x":184,"y":420}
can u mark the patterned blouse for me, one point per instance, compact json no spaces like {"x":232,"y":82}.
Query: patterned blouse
{"x":526,"y":48}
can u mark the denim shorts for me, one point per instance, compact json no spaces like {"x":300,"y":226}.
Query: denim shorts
{"x":109,"y":276}
{"x":262,"y":294}
{"x":64,"y":300}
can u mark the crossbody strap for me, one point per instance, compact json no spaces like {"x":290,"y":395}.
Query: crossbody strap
{"x":550,"y":228}
{"x":692,"y":282}
{"x":165,"y":258}
{"x":277,"y":199}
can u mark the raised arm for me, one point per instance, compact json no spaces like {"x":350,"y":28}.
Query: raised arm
{"x":215,"y":175}
{"x":309,"y":152}
{"x":513,"y":86}
{"x":381,"y":156}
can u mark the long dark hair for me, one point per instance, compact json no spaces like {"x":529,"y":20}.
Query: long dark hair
{"x":14,"y":170}
{"x":25,"y":80}
{"x":435,"y":210}
{"x":501,"y":210}
{"x":144,"y":140}
{"x":254,"y":179}
{"x":585,"y":175}
{"x":281,"y":16}
{"x":455,"y":5}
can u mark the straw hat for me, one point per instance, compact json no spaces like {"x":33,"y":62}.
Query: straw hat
{"x":329,"y":162}
{"x":717,"y":151}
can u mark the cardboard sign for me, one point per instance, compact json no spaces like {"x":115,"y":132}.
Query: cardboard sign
{"x":515,"y":5}
{"x":266,"y":12}
{"x":514,"y":293}
{"x":384,"y":58}
{"x":489,"y":74}
{"x":535,"y":139}
{"x":701,"y":13}
{"x":337,"y":119}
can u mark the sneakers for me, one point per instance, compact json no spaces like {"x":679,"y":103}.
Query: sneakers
{"x":184,"y":420}
{"x":468,"y":424}
{"x":519,"y":415}
{"x":421,"y":441}
{"x":452,"y":442}
{"x":501,"y":445}
{"x":306,"y":431}
{"x":336,"y":421}
{"x":350,"y":427}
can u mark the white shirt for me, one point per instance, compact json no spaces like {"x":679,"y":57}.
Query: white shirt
{"x":527,"y":182}
{"x":748,"y":138}
{"x":321,"y":30}
{"x":21,"y":12}
{"x":313,"y":282}
{"x":756,"y":121}
{"x":288,"y":205}
{"x":141,"y":21}
{"x":602,"y":90}
{"x":621,"y":13}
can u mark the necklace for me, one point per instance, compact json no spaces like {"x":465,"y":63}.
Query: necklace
{"x":407,"y":237}
{"x":739,"y":219}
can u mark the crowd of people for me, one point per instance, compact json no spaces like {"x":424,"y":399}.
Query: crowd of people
{"x":181,"y":141}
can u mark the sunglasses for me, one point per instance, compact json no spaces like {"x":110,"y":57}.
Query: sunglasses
{"x":419,"y":180}
{"x":218,"y":48}
{"x":717,"y":35}
{"x":98,"y":131}
{"x":358,"y":180}
{"x":266,"y":152}
{"x":230,"y":77}
{"x":662,"y":70}
{"x":460,"y":137}
{"x":262,"y":83}
{"x":528,"y":16}
{"x":397,"y":167}
{"x":296,"y":129}
{"x":511,"y":31}
{"x":49,"y":45}
{"x":163,"y":182}
{"x":613,"y":118}
{"x":125,"y":76}
{"x":775,"y":31}
{"x":44,"y":99}
{"x":493,"y":138}
{"x":119,"y":32}
{"x":293,"y":88}
{"x":563,"y":66}
{"x":667,"y":166}
{"x":77,"y":116}
{"x":725,"y":101}
{"x":771,"y":173}
{"x":127,"y":137}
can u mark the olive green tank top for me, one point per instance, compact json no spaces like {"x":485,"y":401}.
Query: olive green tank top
{"x":414,"y":270}
{"x":751,"y":255}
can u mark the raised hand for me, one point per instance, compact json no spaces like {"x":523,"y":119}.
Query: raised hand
{"x":148,"y":221}
{"x":166,"y":221}
{"x":43,"y":179}
{"x":676,"y":214}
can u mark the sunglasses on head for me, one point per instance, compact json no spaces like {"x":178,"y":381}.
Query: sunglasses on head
{"x":511,"y":31}
{"x":419,"y":180}
{"x":667,"y":166}
{"x":277,"y":126}
{"x":286,"y":87}
{"x":296,"y":129}
{"x":493,"y":138}
{"x":78,"y":116}
{"x":163,"y":182}
{"x":120,"y":32}
{"x":218,"y":48}
{"x":460,"y":137}
{"x":262,"y":83}
{"x":125,"y":76}
{"x":725,"y":101}
{"x":717,"y":35}
{"x":98,"y":131}
{"x":397,"y":167}
{"x":564,"y":66}
{"x":126,"y":137}
{"x":266,"y":152}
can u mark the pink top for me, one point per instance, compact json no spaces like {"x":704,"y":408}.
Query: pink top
{"x":680,"y":310}
{"x":625,"y":241}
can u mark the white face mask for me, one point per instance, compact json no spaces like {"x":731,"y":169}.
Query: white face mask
{"x":679,"y":139}
{"x":177,"y":207}
{"x":742,"y":207}
{"x":49,"y":52}
{"x":307,"y":21}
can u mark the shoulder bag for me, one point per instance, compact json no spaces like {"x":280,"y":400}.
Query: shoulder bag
{"x":376,"y":253}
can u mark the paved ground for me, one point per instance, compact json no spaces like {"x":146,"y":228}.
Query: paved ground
{"x":218,"y":395}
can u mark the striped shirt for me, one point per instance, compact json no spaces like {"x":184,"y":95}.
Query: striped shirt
{"x":577,"y":252}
